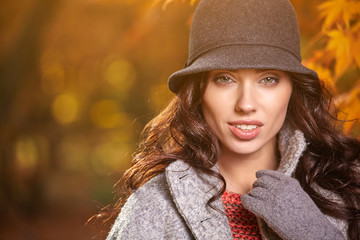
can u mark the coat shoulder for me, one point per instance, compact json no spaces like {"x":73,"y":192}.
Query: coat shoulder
{"x":149,"y":213}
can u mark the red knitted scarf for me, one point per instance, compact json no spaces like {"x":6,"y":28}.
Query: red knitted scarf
{"x":242,"y":222}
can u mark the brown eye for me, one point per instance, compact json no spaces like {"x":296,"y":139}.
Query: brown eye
{"x":223,"y":79}
{"x":269,"y":81}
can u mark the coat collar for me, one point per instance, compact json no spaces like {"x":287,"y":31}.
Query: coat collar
{"x":191,"y":189}
{"x":292,"y":144}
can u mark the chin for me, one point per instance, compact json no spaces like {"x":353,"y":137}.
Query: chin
{"x":243,"y":148}
{"x":248,"y":147}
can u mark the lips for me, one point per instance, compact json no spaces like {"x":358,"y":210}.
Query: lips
{"x":246,"y":129}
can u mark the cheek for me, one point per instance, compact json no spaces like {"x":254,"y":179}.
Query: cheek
{"x":210,"y":111}
{"x":280,"y":104}
{"x":215,"y":104}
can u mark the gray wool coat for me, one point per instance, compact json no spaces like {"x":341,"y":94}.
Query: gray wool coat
{"x":173,"y":205}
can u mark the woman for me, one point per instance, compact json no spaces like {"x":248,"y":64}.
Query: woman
{"x":247,"y":149}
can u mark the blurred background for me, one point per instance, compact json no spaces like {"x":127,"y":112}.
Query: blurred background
{"x":80,"y":79}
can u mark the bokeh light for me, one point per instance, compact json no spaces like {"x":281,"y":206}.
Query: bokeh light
{"x":65,"y":108}
{"x":120,"y":74}
{"x":26,"y":155}
{"x":110,"y":156}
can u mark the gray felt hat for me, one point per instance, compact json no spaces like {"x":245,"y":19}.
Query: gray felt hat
{"x":242,"y":34}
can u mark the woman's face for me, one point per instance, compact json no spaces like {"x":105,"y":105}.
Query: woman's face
{"x":245,"y":109}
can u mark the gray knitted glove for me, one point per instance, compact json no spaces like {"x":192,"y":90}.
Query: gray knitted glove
{"x":287,"y":208}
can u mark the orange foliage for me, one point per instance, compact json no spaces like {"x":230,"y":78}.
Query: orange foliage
{"x":341,"y":56}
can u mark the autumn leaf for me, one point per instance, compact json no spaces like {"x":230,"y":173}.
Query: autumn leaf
{"x":355,"y":43}
{"x":324,"y":75}
{"x":335,"y":10}
{"x":339,"y":43}
{"x":316,"y":63}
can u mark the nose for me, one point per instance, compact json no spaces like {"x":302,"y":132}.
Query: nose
{"x":246,"y":99}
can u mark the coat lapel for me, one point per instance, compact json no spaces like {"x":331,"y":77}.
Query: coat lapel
{"x":191,"y":190}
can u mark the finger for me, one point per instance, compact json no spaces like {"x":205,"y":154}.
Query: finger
{"x":266,"y":181}
{"x":246,"y":199}
{"x":260,"y":183}
{"x":274,"y":174}
{"x":258,"y":193}
{"x":281,"y":178}
{"x":250,"y":203}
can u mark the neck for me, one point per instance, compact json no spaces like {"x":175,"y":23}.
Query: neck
{"x":239,"y":170}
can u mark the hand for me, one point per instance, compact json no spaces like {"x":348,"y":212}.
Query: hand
{"x":287,"y":208}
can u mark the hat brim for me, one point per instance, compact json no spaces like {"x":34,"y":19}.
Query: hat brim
{"x":240,"y":57}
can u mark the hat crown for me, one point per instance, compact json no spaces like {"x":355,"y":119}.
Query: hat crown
{"x":219,"y":23}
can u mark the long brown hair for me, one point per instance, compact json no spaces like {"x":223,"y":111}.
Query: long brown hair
{"x":331,"y":160}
